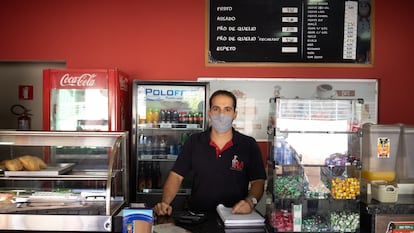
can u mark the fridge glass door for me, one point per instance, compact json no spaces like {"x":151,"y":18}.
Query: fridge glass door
{"x":79,"y":109}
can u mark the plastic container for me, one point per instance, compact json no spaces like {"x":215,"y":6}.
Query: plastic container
{"x":405,"y":162}
{"x":380,"y":149}
{"x":384,"y":192}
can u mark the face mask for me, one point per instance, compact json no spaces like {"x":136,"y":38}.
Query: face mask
{"x":221,"y":122}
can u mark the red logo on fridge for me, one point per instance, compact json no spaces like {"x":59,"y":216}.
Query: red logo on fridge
{"x":84,"y":80}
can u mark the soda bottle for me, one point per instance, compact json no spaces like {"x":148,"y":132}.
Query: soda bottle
{"x":148,"y":176}
{"x":200,"y":119}
{"x":185,"y":117}
{"x":195,"y":117}
{"x":168,"y":117}
{"x":156,"y":175}
{"x":141,"y":176}
{"x":175,"y":116}
{"x":163,"y":116}
{"x":190,"y":118}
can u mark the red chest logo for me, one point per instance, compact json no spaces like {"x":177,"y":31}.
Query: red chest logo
{"x":236,"y":164}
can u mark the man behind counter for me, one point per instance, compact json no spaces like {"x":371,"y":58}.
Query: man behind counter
{"x":223,"y":161}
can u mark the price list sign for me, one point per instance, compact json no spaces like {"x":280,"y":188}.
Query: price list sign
{"x":289,"y":31}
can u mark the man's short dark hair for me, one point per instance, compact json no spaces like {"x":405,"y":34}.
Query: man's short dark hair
{"x":226,"y":93}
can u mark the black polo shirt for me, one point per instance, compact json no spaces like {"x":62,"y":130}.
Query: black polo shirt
{"x":222,"y":179}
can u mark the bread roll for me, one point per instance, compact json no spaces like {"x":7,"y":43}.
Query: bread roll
{"x":32,"y":163}
{"x":3,"y":164}
{"x":13,"y":165}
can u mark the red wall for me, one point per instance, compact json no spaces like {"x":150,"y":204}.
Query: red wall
{"x":165,"y":40}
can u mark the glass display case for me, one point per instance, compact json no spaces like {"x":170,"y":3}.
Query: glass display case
{"x":62,"y":181}
{"x":314,"y":165}
{"x":164,"y":115}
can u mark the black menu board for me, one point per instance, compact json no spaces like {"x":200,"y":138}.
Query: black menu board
{"x":289,"y":31}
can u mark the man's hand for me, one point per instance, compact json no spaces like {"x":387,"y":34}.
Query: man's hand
{"x":243,"y":207}
{"x":162,"y":208}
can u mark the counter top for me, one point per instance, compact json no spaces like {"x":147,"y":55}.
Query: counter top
{"x":212,"y":223}
{"x":404,"y":205}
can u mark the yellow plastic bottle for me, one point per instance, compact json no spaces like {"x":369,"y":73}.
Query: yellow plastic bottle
{"x":149,"y":116}
{"x":156,"y":116}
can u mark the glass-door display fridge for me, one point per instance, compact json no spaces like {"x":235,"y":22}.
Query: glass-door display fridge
{"x":85,"y":100}
{"x":164,"y":115}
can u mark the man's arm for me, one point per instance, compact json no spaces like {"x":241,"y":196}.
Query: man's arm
{"x":256,"y":191}
{"x":171,"y":186}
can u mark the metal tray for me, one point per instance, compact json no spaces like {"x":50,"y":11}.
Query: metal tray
{"x":51,"y":170}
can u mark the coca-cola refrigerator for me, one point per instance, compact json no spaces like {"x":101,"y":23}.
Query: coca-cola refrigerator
{"x":85,"y":100}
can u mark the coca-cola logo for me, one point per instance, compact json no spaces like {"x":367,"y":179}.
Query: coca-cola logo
{"x":83,"y":80}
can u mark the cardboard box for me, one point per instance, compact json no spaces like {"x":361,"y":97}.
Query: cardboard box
{"x":139,"y":220}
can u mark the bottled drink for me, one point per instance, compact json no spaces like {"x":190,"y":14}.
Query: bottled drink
{"x":141,"y":176}
{"x":190,"y":118}
{"x":195,"y":117}
{"x":149,"y":115}
{"x":200,"y":119}
{"x":163,"y":116}
{"x":148,"y":175}
{"x":168,"y":116}
{"x":185,"y":117}
{"x":148,"y":146}
{"x":155,"y":150}
{"x":174,"y":116}
{"x":156,"y":116}
{"x":141,"y":145}
{"x":181,"y":117}
{"x":156,"y":176}
{"x":163,"y":146}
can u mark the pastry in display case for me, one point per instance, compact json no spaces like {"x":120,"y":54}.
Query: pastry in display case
{"x":62,"y":180}
{"x":314,"y":165}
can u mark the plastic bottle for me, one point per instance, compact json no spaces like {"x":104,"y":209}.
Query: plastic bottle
{"x":148,"y":146}
{"x":195,"y":117}
{"x":148,"y":176}
{"x":200,"y":119}
{"x":149,"y":115}
{"x":155,"y":146}
{"x":141,"y":176}
{"x":163,"y":116}
{"x":175,"y":116}
{"x":156,"y":116}
{"x":168,"y":117}
{"x":163,"y":146}
{"x":156,"y":175}
{"x":141,"y":145}
{"x":190,"y":117}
